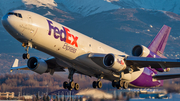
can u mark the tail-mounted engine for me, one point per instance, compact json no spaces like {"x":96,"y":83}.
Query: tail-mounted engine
{"x":37,"y":65}
{"x":114,"y":62}
{"x":140,"y":51}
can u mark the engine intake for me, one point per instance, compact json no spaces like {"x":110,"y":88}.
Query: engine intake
{"x":37,"y":65}
{"x":114,"y":62}
{"x":141,"y":51}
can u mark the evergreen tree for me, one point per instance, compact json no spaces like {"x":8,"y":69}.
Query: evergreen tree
{"x":44,"y":97}
{"x":47,"y":98}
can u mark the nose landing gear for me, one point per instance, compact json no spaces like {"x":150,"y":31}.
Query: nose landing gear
{"x":26,"y":56}
{"x":26,"y":46}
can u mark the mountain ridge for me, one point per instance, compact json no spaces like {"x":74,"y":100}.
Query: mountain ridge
{"x":89,"y":7}
{"x":125,"y":21}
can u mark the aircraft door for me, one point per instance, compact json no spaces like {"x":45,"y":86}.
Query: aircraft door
{"x":31,"y":27}
{"x":29,"y":19}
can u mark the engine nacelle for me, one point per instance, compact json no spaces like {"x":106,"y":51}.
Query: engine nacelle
{"x":114,"y":62}
{"x":37,"y":65}
{"x":141,"y":51}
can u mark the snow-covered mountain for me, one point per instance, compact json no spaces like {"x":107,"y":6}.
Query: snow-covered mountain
{"x":89,"y":7}
{"x":165,"y":5}
{"x":96,"y":18}
{"x":83,"y":7}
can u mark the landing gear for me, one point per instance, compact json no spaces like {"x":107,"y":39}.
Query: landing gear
{"x":120,"y":83}
{"x":71,"y":85}
{"x":94,"y":84}
{"x":114,"y":83}
{"x":97,"y":84}
{"x":26,"y":56}
{"x":26,"y":46}
{"x":76,"y":87}
{"x":65,"y":85}
{"x":125,"y":85}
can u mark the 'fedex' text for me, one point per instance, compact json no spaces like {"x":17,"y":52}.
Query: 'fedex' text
{"x":64,"y":34}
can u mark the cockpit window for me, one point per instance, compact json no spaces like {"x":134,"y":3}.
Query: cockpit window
{"x":16,"y":14}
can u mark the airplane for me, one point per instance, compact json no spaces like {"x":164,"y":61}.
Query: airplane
{"x":78,"y":53}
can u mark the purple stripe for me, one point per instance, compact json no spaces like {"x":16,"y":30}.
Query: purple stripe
{"x":159,"y":48}
{"x":146,"y":80}
{"x":163,"y":42}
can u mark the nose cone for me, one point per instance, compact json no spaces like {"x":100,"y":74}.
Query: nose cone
{"x":11,"y":24}
{"x":4,"y":20}
{"x":7,"y":22}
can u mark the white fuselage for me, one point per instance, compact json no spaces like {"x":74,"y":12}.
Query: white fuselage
{"x":63,"y":43}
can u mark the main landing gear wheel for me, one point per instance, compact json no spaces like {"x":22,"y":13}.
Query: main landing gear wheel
{"x":125,"y":85}
{"x":71,"y":85}
{"x":65,"y":85}
{"x":76,"y":87}
{"x":97,"y":84}
{"x":119,"y":84}
{"x":114,"y":83}
{"x":94,"y":84}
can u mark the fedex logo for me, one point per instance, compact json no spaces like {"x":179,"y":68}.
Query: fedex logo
{"x":64,"y":34}
{"x":120,"y":61}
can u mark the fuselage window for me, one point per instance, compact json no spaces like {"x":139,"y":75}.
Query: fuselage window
{"x":19,"y":15}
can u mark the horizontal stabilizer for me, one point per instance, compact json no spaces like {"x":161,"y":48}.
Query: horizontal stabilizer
{"x":166,"y":76}
{"x":15,"y":66}
{"x":52,"y":65}
{"x":20,"y":68}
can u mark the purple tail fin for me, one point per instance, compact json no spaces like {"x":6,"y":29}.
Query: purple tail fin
{"x":158,"y":44}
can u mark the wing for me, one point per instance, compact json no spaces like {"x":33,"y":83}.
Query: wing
{"x":166,"y":76}
{"x":152,"y":62}
{"x":51,"y":62}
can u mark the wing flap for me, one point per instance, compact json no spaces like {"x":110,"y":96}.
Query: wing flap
{"x":153,"y":62}
{"x":166,"y":76}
